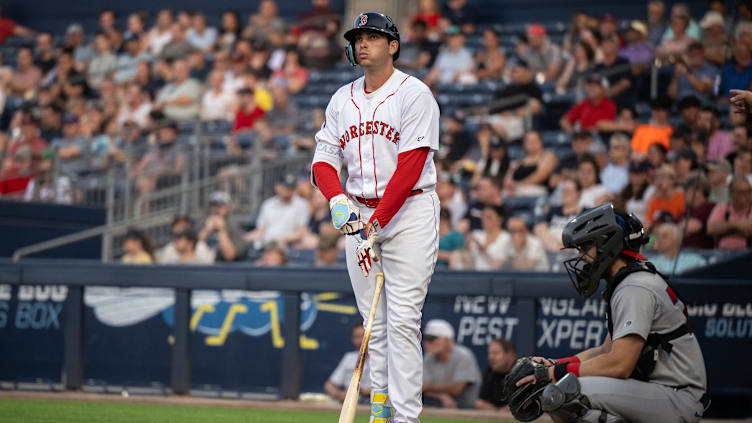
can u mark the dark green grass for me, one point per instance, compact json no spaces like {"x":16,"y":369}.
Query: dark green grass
{"x":40,"y":411}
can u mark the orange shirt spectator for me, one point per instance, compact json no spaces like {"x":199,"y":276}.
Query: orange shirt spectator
{"x":645,"y":135}
{"x":674,"y":206}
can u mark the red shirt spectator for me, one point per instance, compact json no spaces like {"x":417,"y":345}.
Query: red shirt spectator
{"x":595,"y":108}
{"x":7,"y":27}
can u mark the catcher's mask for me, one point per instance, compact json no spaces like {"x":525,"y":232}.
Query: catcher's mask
{"x":374,"y":21}
{"x":611,"y":232}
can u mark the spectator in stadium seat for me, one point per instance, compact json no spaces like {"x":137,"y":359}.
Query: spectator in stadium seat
{"x":135,"y":26}
{"x":731,"y":222}
{"x":452,"y":199}
{"x":138,"y":248}
{"x":656,"y":21}
{"x":73,"y":147}
{"x":135,"y":107}
{"x":9,"y":27}
{"x":169,"y":253}
{"x":326,"y":251}
{"x":451,"y":242}
{"x":720,"y":143}
{"x":543,"y":56}
{"x":282,"y":217}
{"x":292,"y":75}
{"x":577,"y":25}
{"x":635,"y":196}
{"x":522,"y":99}
{"x":185,"y":246}
{"x":454,"y":64}
{"x":583,"y":144}
{"x":219,"y":232}
{"x":551,"y":224}
{"x":737,"y":72}
{"x":676,"y":41}
{"x":522,"y":250}
{"x":685,"y":162}
{"x":51,"y":121}
{"x":616,"y":70}
{"x":638,"y":50}
{"x":103,"y":63}
{"x":494,"y":159}
{"x":273,"y":254}
{"x":451,"y":377}
{"x":248,"y":112}
{"x":657,"y":131}
{"x":201,"y":35}
{"x":657,"y":155}
{"x":45,"y":186}
{"x":160,"y":34}
{"x":696,"y":77}
{"x":429,"y":12}
{"x":26,"y":77}
{"x":165,"y":159}
{"x":681,"y":10}
{"x":669,"y":260}
{"x":318,"y":41}
{"x":217,"y":102}
{"x":126,"y":65}
{"x":74,"y":40}
{"x":624,"y":122}
{"x":593,"y":193}
{"x":615,"y":175}
{"x":490,"y":62}
{"x":16,"y":173}
{"x":229,"y":31}
{"x":743,"y":165}
{"x":179,"y":100}
{"x":460,"y":14}
{"x":742,"y":136}
{"x":456,"y":140}
{"x":44,"y":54}
{"x":586,"y":114}
{"x":501,"y":357}
{"x":529,"y":176}
{"x":667,"y":200}
{"x":338,"y":382}
{"x":485,"y":246}
{"x":264,"y":22}
{"x":714,"y":38}
{"x":696,"y":191}
{"x":179,"y":47}
{"x":579,"y":65}
{"x":420,"y":53}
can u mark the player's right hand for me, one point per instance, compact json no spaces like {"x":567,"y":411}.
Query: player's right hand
{"x":345,"y":215}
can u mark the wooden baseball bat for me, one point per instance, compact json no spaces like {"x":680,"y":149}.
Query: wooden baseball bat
{"x":347,"y":415}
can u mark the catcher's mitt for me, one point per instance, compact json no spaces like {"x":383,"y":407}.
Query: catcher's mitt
{"x":524,"y":401}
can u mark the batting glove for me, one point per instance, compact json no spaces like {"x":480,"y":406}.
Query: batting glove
{"x":365,"y":253}
{"x":345,"y":215}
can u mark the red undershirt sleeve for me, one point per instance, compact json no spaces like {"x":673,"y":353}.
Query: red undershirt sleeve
{"x":327,"y":179}
{"x":409,"y":167}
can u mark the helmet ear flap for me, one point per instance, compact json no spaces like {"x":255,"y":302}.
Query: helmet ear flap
{"x":350,"y":54}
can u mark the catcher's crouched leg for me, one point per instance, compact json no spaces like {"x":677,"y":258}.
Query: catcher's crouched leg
{"x":565,"y":403}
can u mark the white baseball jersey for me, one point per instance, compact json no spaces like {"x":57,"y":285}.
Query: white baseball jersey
{"x":366,"y":132}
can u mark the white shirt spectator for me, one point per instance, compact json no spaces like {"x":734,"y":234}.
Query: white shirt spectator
{"x":157,"y":41}
{"x":278,"y":219}
{"x":343,"y":373}
{"x":189,"y":87}
{"x":495,"y":251}
{"x":217,"y":105}
{"x":615,"y":178}
{"x":533,"y":250}
{"x":450,"y":63}
{"x":140,"y":114}
{"x":590,"y":195}
{"x":203,"y":41}
{"x":169,"y":255}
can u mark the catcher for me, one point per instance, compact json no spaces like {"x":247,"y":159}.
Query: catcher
{"x":649,"y":368}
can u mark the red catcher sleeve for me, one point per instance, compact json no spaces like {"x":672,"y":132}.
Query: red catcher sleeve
{"x":327,"y":180}
{"x":409,"y":167}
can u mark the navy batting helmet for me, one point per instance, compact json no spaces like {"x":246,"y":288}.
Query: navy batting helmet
{"x":374,"y":21}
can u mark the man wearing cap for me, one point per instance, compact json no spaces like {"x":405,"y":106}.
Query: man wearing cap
{"x":454,"y":63}
{"x":543,"y":56}
{"x":283,"y":217}
{"x":714,"y":38}
{"x":74,"y":40}
{"x":588,"y":112}
{"x":638,"y":51}
{"x":658,"y":130}
{"x":126,"y":65}
{"x":695,"y":77}
{"x":450,"y":371}
{"x":219,"y":233}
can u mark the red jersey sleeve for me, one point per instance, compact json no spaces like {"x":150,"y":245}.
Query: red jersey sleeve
{"x":327,"y":180}
{"x":409,"y":167}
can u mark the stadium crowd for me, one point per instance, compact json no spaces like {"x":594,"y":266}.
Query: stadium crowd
{"x":633,"y":112}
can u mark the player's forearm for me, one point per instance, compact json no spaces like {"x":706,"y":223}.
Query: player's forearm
{"x":606,"y":365}
{"x":409,"y":167}
{"x":452,"y":388}
{"x":327,"y":180}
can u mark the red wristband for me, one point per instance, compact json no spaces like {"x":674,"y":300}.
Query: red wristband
{"x":574,"y":368}
{"x":572,"y":359}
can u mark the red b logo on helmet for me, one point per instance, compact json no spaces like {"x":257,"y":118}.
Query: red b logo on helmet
{"x":363,"y":19}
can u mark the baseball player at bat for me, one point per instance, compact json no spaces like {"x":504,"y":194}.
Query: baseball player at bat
{"x":384,"y":127}
{"x":648,"y":369}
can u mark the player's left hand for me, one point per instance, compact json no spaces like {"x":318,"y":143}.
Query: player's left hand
{"x":365,"y":252}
